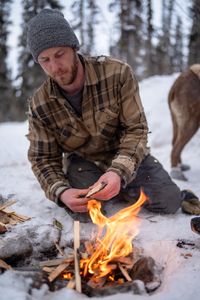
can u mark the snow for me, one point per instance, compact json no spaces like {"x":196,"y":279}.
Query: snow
{"x":158,"y":234}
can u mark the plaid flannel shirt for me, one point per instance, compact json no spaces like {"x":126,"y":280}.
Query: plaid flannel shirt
{"x":111,"y":132}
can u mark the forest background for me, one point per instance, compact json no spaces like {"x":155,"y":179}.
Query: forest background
{"x":126,"y":27}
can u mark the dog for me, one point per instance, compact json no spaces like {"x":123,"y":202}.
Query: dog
{"x":184,"y":105}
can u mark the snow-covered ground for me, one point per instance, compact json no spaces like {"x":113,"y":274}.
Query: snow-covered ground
{"x":180,"y":279}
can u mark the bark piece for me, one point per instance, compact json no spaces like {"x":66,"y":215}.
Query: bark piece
{"x":96,"y":189}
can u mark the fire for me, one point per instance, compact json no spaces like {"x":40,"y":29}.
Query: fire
{"x":119,"y":230}
{"x":68,"y":276}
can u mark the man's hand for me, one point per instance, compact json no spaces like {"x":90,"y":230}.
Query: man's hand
{"x":75,"y":200}
{"x":112,"y":188}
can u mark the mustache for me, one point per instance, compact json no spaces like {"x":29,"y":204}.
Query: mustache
{"x":60,"y":73}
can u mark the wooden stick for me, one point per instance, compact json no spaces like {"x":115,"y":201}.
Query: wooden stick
{"x":56,"y":262}
{"x":4,"y":265}
{"x":76,"y":259}
{"x":124,"y":272}
{"x":56,"y":272}
{"x":8,"y":203}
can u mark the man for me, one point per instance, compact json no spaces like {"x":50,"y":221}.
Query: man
{"x":88,"y":116}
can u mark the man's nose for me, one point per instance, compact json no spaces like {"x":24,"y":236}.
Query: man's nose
{"x":54,"y":66}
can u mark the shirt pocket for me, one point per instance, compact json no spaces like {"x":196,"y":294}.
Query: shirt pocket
{"x":108,"y":122}
{"x":71,"y":138}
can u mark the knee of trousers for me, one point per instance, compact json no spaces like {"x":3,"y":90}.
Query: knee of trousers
{"x":166,"y":201}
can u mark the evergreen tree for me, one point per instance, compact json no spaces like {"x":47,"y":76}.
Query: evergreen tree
{"x":131,"y":42}
{"x":92,"y":20}
{"x":7,"y":103}
{"x":30,"y":75}
{"x":164,"y":47}
{"x":177,"y":59}
{"x":85,"y":19}
{"x":150,"y":56}
{"x":194,"y":37}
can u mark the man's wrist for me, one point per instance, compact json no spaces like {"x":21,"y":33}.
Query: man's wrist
{"x":58,"y":193}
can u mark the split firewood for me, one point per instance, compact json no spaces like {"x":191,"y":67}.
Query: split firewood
{"x":76,"y":258}
{"x":4,"y":265}
{"x":48,"y":269}
{"x":57,"y":271}
{"x":11,"y":217}
{"x":4,"y":218}
{"x":125,"y":273}
{"x":96,"y":189}
{"x":56,"y":262}
{"x":71,"y":284}
{"x":8,"y":203}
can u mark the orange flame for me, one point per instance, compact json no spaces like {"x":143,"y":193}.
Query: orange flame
{"x":117,"y":241}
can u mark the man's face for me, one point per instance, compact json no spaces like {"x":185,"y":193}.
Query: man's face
{"x":60,"y":63}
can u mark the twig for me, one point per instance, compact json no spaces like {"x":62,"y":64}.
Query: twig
{"x":59,"y":249}
{"x":76,"y":259}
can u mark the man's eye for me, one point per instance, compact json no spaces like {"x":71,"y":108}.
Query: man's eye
{"x":60,"y":54}
{"x":42,"y":60}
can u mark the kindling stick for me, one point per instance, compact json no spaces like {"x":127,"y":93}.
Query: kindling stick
{"x":125,"y":273}
{"x":76,"y":258}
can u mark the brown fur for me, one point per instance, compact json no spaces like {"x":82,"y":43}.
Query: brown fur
{"x":184,"y":104}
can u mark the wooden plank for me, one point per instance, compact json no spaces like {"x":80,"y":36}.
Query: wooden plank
{"x":56,"y":272}
{"x":76,"y":258}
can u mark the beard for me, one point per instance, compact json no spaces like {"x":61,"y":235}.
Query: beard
{"x":64,"y":77}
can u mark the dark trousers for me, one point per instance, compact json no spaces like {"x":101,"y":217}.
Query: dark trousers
{"x":163,"y":194}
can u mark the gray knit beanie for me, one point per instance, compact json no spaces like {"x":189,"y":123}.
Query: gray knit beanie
{"x":49,"y":29}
